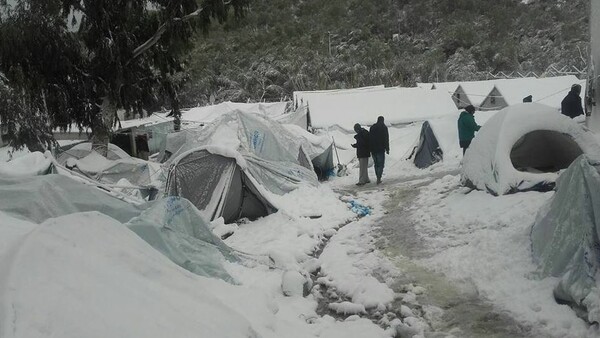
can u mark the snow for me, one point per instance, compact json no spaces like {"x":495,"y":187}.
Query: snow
{"x":86,"y":274}
{"x":208,"y":114}
{"x":549,"y":91}
{"x":397,"y":105}
{"x":487,"y":163}
{"x":28,"y":164}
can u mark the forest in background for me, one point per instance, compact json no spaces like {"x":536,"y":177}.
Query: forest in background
{"x":281,"y":46}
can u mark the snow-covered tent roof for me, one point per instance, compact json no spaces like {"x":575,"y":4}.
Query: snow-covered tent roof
{"x":208,"y":114}
{"x":449,"y":87}
{"x":523,"y":147}
{"x":477,"y":91}
{"x":302,"y":97}
{"x":549,"y":91}
{"x":397,"y":105}
{"x":426,"y":85}
{"x":83,"y":149}
{"x":250,"y":148}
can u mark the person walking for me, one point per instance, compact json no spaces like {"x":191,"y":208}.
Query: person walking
{"x":363,"y":151}
{"x":571,"y":104}
{"x":380,"y":145}
{"x":467,"y":127}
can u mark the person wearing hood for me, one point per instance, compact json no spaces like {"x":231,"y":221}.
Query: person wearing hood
{"x":467,"y":127}
{"x":571,"y":104}
{"x":363,"y":152}
{"x":380,"y":145}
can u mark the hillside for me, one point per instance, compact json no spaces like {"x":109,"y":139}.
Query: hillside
{"x":286,"y":45}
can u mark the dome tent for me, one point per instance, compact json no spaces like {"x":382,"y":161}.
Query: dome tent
{"x":524,"y":147}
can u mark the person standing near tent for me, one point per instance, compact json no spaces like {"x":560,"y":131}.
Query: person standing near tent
{"x":467,"y":127}
{"x":363,"y":152}
{"x":571,"y":104}
{"x":380,"y":145}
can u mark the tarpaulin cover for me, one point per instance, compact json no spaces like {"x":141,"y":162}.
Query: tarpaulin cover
{"x":565,"y":237}
{"x":174,"y":227}
{"x":428,"y":150}
{"x":41,"y":197}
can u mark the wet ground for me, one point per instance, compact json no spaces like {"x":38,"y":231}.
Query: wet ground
{"x":465,"y":313}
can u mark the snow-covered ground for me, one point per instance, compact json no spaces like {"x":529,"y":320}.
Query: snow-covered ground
{"x":87,"y":275}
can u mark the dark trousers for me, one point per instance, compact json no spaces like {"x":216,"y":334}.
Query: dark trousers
{"x":379,"y":162}
{"x":464,"y":145}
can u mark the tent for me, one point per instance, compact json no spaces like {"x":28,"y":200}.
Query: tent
{"x":318,"y":148}
{"x":524,"y":147}
{"x":219,"y":184}
{"x":565,"y":238}
{"x":81,"y":150}
{"x":397,"y":105}
{"x":240,"y":160}
{"x":549,"y":91}
{"x":438,"y":140}
{"x":428,"y":151}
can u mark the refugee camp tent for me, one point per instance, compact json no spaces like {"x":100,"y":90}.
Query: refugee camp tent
{"x":523,"y":147}
{"x":227,"y":190}
{"x":397,"y":105}
{"x":303,"y":98}
{"x":428,"y":151}
{"x":207,"y":114}
{"x":318,"y":148}
{"x":173,"y":226}
{"x":438,"y":140}
{"x":83,"y":149}
{"x":240,"y":158}
{"x":549,"y":91}
{"x":565,"y":237}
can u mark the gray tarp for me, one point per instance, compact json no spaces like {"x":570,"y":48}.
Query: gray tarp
{"x":428,"y":150}
{"x":565,"y":237}
{"x":172,"y":226}
{"x":175,"y":227}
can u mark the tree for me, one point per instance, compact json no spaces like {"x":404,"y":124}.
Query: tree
{"x":114,"y":54}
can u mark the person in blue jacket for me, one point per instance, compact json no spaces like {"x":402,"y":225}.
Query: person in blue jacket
{"x":467,"y":127}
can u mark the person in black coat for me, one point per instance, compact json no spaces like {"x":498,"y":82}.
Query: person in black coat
{"x":571,"y":104}
{"x":380,"y":145}
{"x":363,"y":151}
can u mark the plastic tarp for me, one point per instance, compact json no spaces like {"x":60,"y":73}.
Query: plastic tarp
{"x":83,"y":149}
{"x":428,"y":150}
{"x":228,"y":190}
{"x":565,"y":237}
{"x":524,"y":147}
{"x":41,"y":197}
{"x":174,"y":227}
{"x":275,"y":156}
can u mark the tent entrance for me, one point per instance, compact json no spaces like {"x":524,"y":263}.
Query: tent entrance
{"x":544,"y":151}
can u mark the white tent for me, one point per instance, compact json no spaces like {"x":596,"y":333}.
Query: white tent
{"x":302,"y":98}
{"x":524,"y":147}
{"x":397,"y":105}
{"x":549,"y":91}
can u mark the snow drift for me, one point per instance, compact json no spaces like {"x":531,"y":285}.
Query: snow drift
{"x":524,"y":147}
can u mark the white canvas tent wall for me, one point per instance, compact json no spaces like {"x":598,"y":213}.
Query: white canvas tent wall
{"x":523,"y":147}
{"x":397,"y":105}
{"x":565,"y":238}
{"x":208,"y":114}
{"x":303,"y":98}
{"x":451,"y":88}
{"x":594,"y":76}
{"x":549,"y":91}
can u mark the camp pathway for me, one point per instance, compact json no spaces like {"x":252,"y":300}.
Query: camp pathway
{"x":464,"y":313}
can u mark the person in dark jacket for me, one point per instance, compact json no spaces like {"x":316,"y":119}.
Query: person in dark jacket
{"x":363,"y":151}
{"x":467,"y":127}
{"x":380,"y":145}
{"x":571,"y":104}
